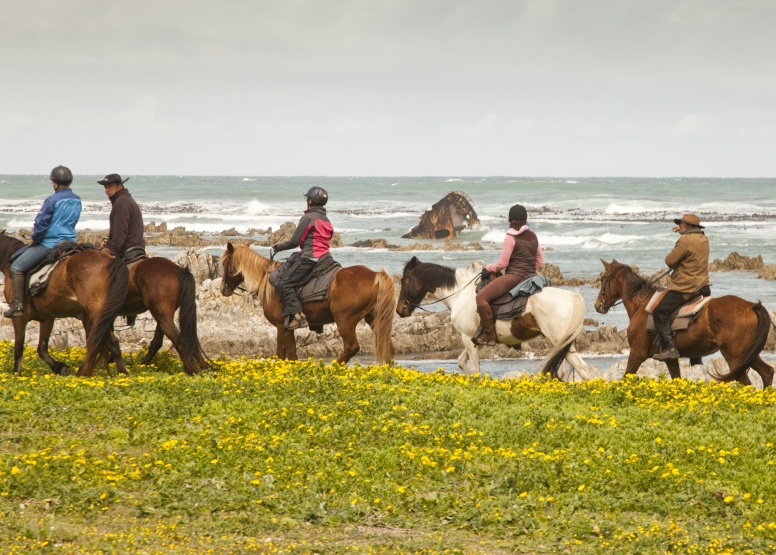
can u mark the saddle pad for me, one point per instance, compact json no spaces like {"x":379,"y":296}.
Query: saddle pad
{"x":317,"y":289}
{"x":655,"y":300}
{"x":39,"y":280}
{"x":693,"y":306}
{"x":684,"y":316}
{"x":508,"y":307}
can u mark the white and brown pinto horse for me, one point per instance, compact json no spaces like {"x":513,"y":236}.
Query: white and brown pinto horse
{"x":556,"y":314}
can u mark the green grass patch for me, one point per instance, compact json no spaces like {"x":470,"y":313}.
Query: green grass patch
{"x":267,"y":456}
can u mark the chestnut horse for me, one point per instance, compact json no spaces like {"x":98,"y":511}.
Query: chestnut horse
{"x":162,"y":287}
{"x":729,"y":324}
{"x":356,"y":292}
{"x":89,"y":285}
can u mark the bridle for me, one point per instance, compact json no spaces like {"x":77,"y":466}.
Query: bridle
{"x":605,"y":290}
{"x":227,"y":273}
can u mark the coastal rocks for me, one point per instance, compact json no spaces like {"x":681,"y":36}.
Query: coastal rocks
{"x":768,"y":272}
{"x":737,"y":262}
{"x":285,"y":232}
{"x":381,"y":243}
{"x":201,"y":264}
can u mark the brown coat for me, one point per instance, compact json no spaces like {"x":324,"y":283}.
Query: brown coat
{"x":690,"y":261}
{"x":126,"y":224}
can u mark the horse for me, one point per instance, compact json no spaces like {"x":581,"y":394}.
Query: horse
{"x":89,"y":285}
{"x":735,"y":327}
{"x":356,"y":292}
{"x":162,"y":287}
{"x":554,"y":313}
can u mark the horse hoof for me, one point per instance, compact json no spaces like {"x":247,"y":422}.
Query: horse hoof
{"x":65,"y":371}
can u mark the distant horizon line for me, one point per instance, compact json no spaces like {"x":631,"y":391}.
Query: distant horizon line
{"x":405,"y":176}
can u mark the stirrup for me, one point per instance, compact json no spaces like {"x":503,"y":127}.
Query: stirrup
{"x":296,"y":323}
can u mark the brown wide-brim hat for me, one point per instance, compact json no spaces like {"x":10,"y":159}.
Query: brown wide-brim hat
{"x":691,"y":219}
{"x":112,"y":178}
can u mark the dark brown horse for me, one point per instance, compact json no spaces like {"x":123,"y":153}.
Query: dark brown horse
{"x":355,"y":293}
{"x":729,"y":324}
{"x":89,"y":285}
{"x":162,"y":287}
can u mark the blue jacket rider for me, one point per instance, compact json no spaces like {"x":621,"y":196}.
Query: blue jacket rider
{"x":54,"y":223}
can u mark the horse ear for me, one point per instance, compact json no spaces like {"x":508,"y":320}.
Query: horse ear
{"x":229,"y":247}
{"x":606,"y":264}
{"x":414,"y":261}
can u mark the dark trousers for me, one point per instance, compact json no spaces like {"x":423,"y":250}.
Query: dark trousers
{"x":498,"y":288}
{"x":671,"y":301}
{"x":299,"y":272}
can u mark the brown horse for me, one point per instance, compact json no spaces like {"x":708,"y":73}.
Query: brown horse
{"x":729,"y":324}
{"x":89,"y":285}
{"x":355,"y":293}
{"x":162,"y":287}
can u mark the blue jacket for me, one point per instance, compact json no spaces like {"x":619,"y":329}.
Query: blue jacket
{"x":57,"y":218}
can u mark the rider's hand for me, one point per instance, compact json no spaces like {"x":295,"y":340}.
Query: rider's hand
{"x":675,"y":229}
{"x":272,"y":252}
{"x":485,"y":274}
{"x":104,"y":243}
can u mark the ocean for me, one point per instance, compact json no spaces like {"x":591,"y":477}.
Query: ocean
{"x":578,"y":220}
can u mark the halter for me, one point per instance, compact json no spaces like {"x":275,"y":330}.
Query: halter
{"x":408,"y":304}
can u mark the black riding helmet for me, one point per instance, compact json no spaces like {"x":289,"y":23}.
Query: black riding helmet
{"x":318,"y":195}
{"x":61,"y":175}
{"x":518,"y":213}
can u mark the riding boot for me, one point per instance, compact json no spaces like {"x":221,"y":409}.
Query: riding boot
{"x":488,"y":335}
{"x":17,"y":305}
{"x":299,"y":321}
{"x":670,"y":352}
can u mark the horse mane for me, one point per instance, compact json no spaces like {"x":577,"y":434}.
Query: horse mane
{"x":635,"y":285}
{"x":8,"y":246}
{"x":433,"y":275}
{"x":255,"y":270}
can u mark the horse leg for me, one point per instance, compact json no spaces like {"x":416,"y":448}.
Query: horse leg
{"x":20,"y":331}
{"x":287,"y":339}
{"x":347,"y":330}
{"x":154,"y":345}
{"x":634,"y":363}
{"x":765,"y":370}
{"x":46,"y":327}
{"x":115,"y":352}
{"x":697,"y":361}
{"x":673,"y":368}
{"x":167,"y":325}
{"x":744,"y":378}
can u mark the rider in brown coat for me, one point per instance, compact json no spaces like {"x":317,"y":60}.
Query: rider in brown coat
{"x":689,"y":261}
{"x":125,"y":237}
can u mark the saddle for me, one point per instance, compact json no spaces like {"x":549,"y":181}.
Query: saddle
{"x":682,"y":317}
{"x":317,"y":287}
{"x":134,"y":255}
{"x":38,"y":277}
{"x":512,"y":304}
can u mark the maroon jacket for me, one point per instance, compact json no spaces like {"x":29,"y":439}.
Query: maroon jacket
{"x":126,"y":224}
{"x":313,"y":234}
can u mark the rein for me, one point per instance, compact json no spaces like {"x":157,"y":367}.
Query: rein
{"x":649,"y":282}
{"x":407,"y":303}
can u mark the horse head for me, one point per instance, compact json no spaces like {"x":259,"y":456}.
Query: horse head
{"x":232,"y":277}
{"x":412,"y":289}
{"x":610,"y":291}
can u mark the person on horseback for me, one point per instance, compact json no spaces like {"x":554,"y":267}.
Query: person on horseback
{"x":313,"y":235}
{"x":125,"y":238}
{"x":54,"y":223}
{"x":521,"y":257}
{"x":689,"y":261}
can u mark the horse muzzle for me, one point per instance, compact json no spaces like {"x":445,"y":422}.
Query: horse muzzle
{"x":601,"y":308}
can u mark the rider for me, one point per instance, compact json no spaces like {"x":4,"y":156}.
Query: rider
{"x":125,"y":238}
{"x":313,"y":235}
{"x":689,"y":261}
{"x":521,"y":256}
{"x":54,"y":223}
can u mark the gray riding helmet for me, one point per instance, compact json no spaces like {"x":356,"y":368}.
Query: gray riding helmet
{"x":318,"y":195}
{"x":61,"y":175}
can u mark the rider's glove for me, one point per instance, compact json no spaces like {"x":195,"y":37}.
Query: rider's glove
{"x":485,"y":274}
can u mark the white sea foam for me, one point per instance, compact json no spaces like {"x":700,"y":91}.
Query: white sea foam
{"x":248,"y":179}
{"x":452,"y":179}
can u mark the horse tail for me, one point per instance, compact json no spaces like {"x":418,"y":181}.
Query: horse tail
{"x":755,"y":347}
{"x":576,"y":326}
{"x":383,"y":317}
{"x":189,"y":347}
{"x":99,"y":339}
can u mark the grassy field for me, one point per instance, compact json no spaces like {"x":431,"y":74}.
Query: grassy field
{"x":266,"y":456}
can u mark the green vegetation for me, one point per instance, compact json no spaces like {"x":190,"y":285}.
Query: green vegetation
{"x":279,"y":457}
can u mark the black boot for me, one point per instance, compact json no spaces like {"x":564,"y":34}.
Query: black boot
{"x":488,"y":335}
{"x":670,"y":352}
{"x":17,"y":304}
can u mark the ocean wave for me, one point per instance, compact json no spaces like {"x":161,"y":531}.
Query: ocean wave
{"x":451,"y":180}
{"x":248,"y":179}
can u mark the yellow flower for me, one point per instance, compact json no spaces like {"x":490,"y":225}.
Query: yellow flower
{"x":524,"y":494}
{"x":728,"y":499}
{"x":581,"y":488}
{"x":15,"y":470}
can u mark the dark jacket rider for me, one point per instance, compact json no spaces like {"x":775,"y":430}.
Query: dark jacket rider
{"x":689,"y":261}
{"x":313,"y":235}
{"x":125,"y":238}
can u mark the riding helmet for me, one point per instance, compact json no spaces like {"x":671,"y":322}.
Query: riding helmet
{"x":61,"y":175}
{"x":518,"y":213}
{"x":318,"y":195}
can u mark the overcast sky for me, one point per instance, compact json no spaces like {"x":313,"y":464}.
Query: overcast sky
{"x":395,"y":87}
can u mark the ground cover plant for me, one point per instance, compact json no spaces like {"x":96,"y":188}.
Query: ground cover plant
{"x":268,"y":456}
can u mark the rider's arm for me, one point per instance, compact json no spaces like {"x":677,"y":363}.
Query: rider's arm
{"x":296,"y":238}
{"x":43,"y":220}
{"x":539,"y":256}
{"x":120,"y":228}
{"x":506,"y":252}
{"x":677,"y":254}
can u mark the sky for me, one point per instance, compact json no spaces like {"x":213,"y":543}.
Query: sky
{"x":389,"y":87}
